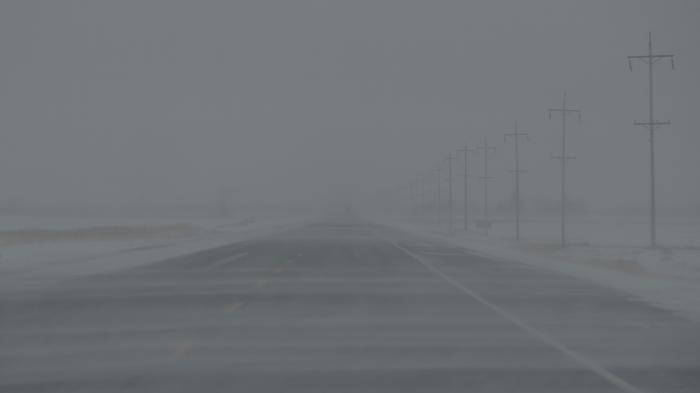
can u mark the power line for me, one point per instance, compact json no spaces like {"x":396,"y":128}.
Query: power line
{"x":515,"y":135}
{"x":565,"y":112}
{"x":650,"y":59}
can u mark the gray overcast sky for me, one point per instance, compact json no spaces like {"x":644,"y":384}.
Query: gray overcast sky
{"x":109,"y":101}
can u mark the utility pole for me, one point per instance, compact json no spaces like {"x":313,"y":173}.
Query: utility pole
{"x":449,"y":174}
{"x":650,"y":59}
{"x":439,"y":197}
{"x":410,"y":207}
{"x":425,"y":195}
{"x":466,"y":151}
{"x":411,"y":201}
{"x":416,"y":199}
{"x":486,"y":224}
{"x":565,"y":112}
{"x":517,"y":171}
{"x":224,"y":199}
{"x":421,"y":198}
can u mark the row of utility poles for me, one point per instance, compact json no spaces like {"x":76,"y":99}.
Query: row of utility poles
{"x":565,"y":111}
{"x":485,"y":149}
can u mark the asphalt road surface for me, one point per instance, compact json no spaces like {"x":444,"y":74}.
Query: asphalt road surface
{"x":341,"y":306}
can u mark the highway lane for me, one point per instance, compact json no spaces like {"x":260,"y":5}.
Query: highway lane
{"x":341,"y":306}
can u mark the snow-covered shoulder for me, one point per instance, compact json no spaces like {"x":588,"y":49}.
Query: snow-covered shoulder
{"x":603,"y":252}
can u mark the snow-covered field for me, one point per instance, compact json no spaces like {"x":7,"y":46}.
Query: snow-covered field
{"x":611,"y":251}
{"x":39,"y":251}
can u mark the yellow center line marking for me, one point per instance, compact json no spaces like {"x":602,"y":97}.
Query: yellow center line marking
{"x":182,"y":350}
{"x":233,"y":307}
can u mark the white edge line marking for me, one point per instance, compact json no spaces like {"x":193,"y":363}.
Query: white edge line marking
{"x":584,"y":361}
{"x":227,"y":260}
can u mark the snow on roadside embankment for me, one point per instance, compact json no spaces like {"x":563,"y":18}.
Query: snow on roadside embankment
{"x":604,"y":251}
{"x":35,"y":252}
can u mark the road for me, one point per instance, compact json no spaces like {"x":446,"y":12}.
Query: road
{"x":341,"y":306}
